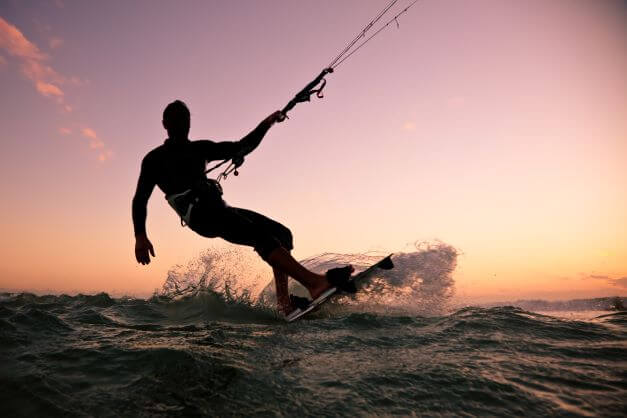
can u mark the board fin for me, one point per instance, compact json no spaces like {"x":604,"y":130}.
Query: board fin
{"x":386,"y":263}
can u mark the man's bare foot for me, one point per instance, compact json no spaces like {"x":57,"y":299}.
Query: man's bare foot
{"x":285,"y":308}
{"x":323,"y":284}
{"x":292,"y":304}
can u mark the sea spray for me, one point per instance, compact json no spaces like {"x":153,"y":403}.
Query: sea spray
{"x":235,"y":273}
{"x":421,"y":282}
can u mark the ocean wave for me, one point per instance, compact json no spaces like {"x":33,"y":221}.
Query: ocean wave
{"x":207,"y":354}
{"x":211,"y":344}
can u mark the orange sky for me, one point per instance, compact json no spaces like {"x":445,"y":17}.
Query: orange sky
{"x":495,"y":126}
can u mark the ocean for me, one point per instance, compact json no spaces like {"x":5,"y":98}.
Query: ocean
{"x":206,"y":346}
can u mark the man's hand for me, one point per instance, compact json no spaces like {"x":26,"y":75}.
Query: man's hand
{"x":143,"y":248}
{"x":275,"y":117}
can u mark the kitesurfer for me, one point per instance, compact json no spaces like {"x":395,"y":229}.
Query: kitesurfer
{"x":178,"y":168}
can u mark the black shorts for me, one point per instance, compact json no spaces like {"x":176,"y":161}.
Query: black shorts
{"x":241,"y":226}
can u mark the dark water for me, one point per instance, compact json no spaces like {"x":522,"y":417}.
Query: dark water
{"x":206,"y":355}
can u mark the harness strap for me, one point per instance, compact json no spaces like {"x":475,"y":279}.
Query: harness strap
{"x":175,"y":202}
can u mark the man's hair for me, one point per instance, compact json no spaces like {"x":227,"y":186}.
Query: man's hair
{"x":176,"y":111}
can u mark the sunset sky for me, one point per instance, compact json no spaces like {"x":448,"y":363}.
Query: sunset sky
{"x":498,"y":127}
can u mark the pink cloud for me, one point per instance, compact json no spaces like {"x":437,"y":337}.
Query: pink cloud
{"x":104,"y":156}
{"x":16,"y":44}
{"x":48,"y":89}
{"x":37,"y":70}
{"x":96,"y":143}
{"x":32,"y":61}
{"x":46,"y":80}
{"x":89,"y":133}
{"x":3,"y":61}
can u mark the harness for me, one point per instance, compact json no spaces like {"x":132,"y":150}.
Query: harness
{"x":182,"y":203}
{"x":208,"y":191}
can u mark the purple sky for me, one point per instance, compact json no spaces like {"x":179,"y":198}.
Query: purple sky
{"x":495,"y":126}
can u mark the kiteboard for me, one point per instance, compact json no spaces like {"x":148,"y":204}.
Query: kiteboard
{"x":384,"y":264}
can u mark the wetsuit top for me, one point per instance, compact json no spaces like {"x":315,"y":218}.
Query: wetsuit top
{"x":177,"y":165}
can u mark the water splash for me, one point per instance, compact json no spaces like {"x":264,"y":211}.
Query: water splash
{"x":234,"y":274}
{"x":420,"y":283}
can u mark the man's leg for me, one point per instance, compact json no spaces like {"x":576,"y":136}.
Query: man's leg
{"x":282,"y":293}
{"x":245,"y":227}
{"x":280,"y":259}
{"x":251,"y":228}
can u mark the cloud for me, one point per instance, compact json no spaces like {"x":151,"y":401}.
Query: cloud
{"x":16,"y":44}
{"x":48,"y":89}
{"x":32,"y":60}
{"x":96,"y":143}
{"x":620,"y":282}
{"x":105,"y":155}
{"x":89,"y":133}
{"x":46,"y":80}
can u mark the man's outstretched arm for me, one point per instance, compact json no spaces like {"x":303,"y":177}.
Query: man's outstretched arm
{"x":145,"y":185}
{"x":226,"y":149}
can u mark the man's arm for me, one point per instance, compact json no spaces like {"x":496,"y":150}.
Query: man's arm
{"x":145,"y":185}
{"x":226,"y":149}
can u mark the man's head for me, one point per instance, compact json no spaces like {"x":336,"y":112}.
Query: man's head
{"x":176,"y":119}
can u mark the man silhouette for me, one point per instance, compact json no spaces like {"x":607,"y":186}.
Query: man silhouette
{"x":178,"y":168}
